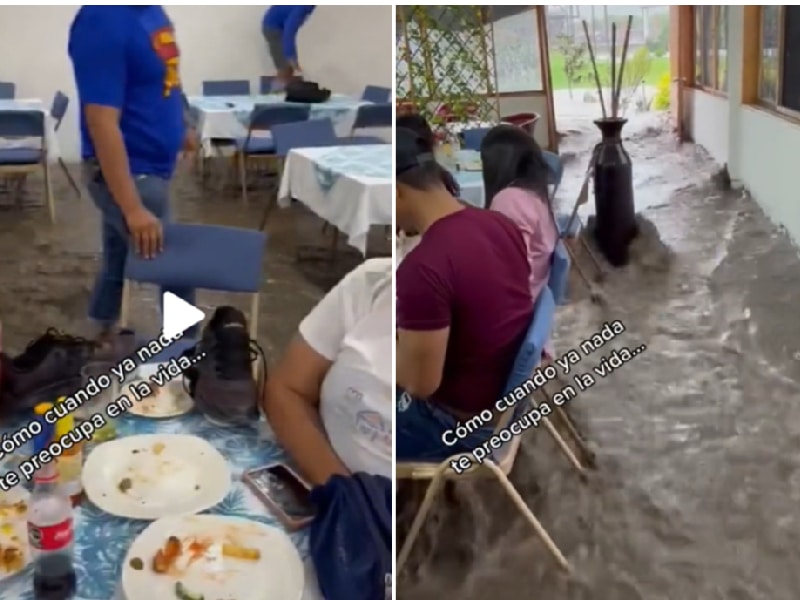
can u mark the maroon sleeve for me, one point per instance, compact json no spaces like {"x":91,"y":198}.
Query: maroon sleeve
{"x":423,"y":295}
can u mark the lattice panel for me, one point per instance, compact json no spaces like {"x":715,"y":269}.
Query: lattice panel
{"x":445,"y":64}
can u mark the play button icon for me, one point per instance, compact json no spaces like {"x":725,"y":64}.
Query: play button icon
{"x":178,"y":315}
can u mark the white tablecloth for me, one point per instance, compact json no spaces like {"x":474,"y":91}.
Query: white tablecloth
{"x":348,"y":186}
{"x":228,"y":117}
{"x":53,"y":151}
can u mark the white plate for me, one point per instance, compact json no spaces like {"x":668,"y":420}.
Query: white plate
{"x":165,"y":475}
{"x":166,"y":402}
{"x":14,"y":530}
{"x":277,"y":575}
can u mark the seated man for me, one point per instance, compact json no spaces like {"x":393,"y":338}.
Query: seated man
{"x":463,"y":307}
{"x":329,"y":400}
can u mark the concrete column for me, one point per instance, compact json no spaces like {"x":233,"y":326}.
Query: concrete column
{"x":735,"y":68}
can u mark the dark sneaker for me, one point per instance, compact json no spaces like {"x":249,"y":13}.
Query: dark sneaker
{"x":48,"y":368}
{"x":222,"y":383}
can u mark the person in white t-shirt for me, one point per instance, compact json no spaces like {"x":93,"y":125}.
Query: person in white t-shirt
{"x":330,"y":399}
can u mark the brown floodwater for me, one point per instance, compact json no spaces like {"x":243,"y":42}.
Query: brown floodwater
{"x":697,"y":438}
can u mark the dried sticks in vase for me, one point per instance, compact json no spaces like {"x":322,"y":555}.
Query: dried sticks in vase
{"x":615,"y":74}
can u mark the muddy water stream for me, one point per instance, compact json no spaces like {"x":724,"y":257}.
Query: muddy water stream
{"x":697,"y":438}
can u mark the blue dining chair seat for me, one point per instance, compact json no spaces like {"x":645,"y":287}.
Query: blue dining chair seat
{"x":574,"y":227}
{"x":20,"y":156}
{"x":255,"y":145}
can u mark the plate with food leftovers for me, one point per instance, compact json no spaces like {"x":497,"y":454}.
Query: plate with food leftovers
{"x":14,"y":552}
{"x":166,"y":402}
{"x":210,"y":557}
{"x":154,"y":476}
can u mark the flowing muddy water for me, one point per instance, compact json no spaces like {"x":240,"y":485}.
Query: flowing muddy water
{"x":697,"y":438}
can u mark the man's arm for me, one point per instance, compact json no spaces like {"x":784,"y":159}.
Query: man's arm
{"x":98,"y":49}
{"x":423,"y":321}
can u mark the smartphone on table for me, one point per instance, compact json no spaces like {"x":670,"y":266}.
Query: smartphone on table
{"x":284,"y":492}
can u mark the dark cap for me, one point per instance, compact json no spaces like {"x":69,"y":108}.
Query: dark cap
{"x":411,"y":151}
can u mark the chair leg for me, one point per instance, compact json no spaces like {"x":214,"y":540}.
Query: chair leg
{"x":580,"y":441}
{"x":242,"y":163}
{"x":126,"y":302}
{"x":71,"y":180}
{"x":564,"y":448}
{"x":416,"y":525}
{"x":334,"y":243}
{"x":528,"y":514}
{"x":48,"y":190}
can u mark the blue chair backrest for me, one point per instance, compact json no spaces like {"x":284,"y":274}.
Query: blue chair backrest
{"x":473,"y":138}
{"x":374,"y":115}
{"x":559,"y":273}
{"x":376,"y":94}
{"x":315,"y":133}
{"x":59,"y":107}
{"x":209,"y":257}
{"x":21,"y":123}
{"x":232,"y":87}
{"x":266,"y":116}
{"x":8,"y":90}
{"x":265,"y":84}
{"x":554,"y":165}
{"x":530,"y":353}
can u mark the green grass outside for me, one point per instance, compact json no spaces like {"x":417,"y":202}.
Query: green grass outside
{"x":658,"y":67}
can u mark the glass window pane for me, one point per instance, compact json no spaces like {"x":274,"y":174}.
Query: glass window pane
{"x":768,"y":88}
{"x":722,"y":48}
{"x":790,"y":81}
{"x":708,"y":48}
{"x":516,"y":50}
{"x":698,"y":45}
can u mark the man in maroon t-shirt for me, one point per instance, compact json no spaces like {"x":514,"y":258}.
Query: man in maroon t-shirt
{"x":463,"y":300}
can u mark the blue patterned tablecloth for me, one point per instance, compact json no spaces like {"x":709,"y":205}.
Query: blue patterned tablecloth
{"x":348,"y":186}
{"x":53,"y":151}
{"x":102,"y":540}
{"x":228,"y":117}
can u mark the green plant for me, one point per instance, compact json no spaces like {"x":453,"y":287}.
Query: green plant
{"x":576,"y":63}
{"x":661,"y":98}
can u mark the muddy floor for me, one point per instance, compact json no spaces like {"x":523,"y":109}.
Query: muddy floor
{"x":697,"y":438}
{"x":47,"y":271}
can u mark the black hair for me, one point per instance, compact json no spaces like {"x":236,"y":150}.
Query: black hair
{"x":511,"y":157}
{"x":420,"y":126}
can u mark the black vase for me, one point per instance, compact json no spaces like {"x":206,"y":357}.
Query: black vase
{"x":615,"y":215}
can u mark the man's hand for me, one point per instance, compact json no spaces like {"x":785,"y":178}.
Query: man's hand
{"x":146,"y":232}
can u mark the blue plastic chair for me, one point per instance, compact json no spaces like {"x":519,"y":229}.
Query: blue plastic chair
{"x":210,"y":257}
{"x":58,"y":109}
{"x":473,"y":138}
{"x":265,"y":84}
{"x":229,"y":87}
{"x":20,"y":162}
{"x":314,"y":133}
{"x":377,"y":94}
{"x":501,"y":461}
{"x":370,"y":116}
{"x":263,"y":118}
{"x":559,"y":273}
{"x":8,"y":90}
{"x":556,"y":168}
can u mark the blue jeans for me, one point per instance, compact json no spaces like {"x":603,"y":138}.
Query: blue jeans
{"x":106,"y":300}
{"x":419,"y":426}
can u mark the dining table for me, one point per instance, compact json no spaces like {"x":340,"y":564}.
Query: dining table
{"x":228,"y":117}
{"x":350,"y":186}
{"x":102,"y":540}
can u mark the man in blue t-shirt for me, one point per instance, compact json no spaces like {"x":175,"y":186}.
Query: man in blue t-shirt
{"x":132,"y":119}
{"x":280,"y":27}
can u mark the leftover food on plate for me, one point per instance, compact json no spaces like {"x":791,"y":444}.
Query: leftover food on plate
{"x":13,"y":543}
{"x":189,"y":550}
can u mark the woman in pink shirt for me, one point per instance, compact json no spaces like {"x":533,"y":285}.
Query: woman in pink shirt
{"x":515,"y":178}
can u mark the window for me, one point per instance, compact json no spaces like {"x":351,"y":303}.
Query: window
{"x":711,"y":47}
{"x":779,"y":69}
{"x":516,"y":48}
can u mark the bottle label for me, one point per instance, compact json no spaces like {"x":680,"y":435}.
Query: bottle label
{"x":51,"y":537}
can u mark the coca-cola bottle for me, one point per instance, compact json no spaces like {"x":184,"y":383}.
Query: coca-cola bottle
{"x":50,"y":531}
